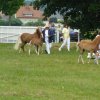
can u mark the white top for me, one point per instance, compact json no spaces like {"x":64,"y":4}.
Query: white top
{"x":46,"y":33}
{"x":65,"y":32}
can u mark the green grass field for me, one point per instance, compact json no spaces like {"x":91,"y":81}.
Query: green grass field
{"x":57,"y":76}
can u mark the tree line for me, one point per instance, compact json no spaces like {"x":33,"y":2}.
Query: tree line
{"x":81,"y":14}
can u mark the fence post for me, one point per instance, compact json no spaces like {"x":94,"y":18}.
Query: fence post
{"x":78,"y":35}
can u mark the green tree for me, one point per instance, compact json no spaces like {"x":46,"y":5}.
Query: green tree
{"x":3,"y":23}
{"x":15,"y":22}
{"x":9,"y":7}
{"x":83,"y":14}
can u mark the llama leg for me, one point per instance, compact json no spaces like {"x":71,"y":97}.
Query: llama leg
{"x":38,"y":50}
{"x":89,"y":56}
{"x":82,"y":59}
{"x":22,"y":46}
{"x":29,"y":49}
{"x":19,"y":50}
{"x":41,"y":50}
{"x":35,"y":48}
{"x":89,"y":60}
{"x":79,"y":59}
{"x":96,"y":59}
{"x":97,"y":62}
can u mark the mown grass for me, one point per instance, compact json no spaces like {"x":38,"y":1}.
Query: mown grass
{"x":57,"y":76}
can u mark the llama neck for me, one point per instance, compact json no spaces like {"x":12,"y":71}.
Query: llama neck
{"x":96,"y":41}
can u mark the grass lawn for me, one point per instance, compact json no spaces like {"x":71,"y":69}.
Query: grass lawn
{"x":57,"y":76}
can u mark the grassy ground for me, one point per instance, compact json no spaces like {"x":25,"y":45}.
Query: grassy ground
{"x":47,"y":77}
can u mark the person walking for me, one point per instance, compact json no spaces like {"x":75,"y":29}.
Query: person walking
{"x":47,"y":39}
{"x":66,"y":38}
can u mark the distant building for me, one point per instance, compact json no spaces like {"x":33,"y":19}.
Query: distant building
{"x":28,"y":14}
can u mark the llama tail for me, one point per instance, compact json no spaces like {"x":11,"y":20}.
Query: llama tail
{"x":17,"y":44}
{"x":77,"y":46}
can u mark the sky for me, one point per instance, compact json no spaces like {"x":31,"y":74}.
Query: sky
{"x":29,"y":0}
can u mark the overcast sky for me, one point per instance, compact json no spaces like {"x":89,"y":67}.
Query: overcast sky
{"x":29,"y":0}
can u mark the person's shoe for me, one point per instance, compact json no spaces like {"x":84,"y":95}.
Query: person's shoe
{"x":59,"y":49}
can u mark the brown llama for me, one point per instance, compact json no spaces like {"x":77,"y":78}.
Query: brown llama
{"x":89,"y":46}
{"x":25,"y":38}
{"x":37,"y":41}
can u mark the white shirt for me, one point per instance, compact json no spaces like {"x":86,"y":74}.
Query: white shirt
{"x":65,"y":32}
{"x":46,"y":33}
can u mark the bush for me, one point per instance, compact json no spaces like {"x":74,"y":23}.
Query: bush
{"x":4,"y":23}
{"x":60,"y":21}
{"x":37,"y":23}
{"x":89,"y":35}
{"x":15,"y":22}
{"x":29,"y":24}
{"x":12,"y":22}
